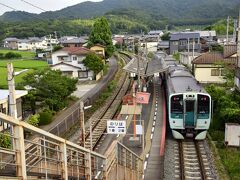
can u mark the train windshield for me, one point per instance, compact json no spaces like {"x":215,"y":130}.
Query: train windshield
{"x":203,"y":106}
{"x":177,"y":106}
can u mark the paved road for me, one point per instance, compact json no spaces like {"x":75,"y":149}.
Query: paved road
{"x":94,"y":91}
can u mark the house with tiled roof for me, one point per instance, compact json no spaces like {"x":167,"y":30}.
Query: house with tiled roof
{"x":209,"y":67}
{"x":10,"y":43}
{"x":99,"y":50}
{"x":182,"y":41}
{"x":69,"y":60}
{"x":75,"y":42}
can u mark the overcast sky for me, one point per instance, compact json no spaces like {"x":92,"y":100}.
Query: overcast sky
{"x":49,"y":5}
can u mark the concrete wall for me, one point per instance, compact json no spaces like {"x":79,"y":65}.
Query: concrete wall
{"x":203,"y":74}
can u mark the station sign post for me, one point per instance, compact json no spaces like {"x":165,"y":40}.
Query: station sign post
{"x":116,"y":127}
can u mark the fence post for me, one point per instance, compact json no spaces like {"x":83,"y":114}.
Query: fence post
{"x":88,"y":170}
{"x":63,"y":148}
{"x":104,"y":177}
{"x":20,"y":151}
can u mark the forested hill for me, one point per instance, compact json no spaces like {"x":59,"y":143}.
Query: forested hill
{"x":173,"y":10}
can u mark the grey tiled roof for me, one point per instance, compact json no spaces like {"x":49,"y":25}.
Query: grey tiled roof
{"x":75,"y":41}
{"x":184,"y":35}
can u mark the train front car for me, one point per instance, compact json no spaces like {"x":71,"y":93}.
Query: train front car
{"x":189,"y":105}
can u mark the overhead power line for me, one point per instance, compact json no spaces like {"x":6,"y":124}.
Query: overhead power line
{"x":8,"y":7}
{"x":34,"y":5}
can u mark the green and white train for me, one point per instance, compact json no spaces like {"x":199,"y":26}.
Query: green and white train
{"x":189,"y":105}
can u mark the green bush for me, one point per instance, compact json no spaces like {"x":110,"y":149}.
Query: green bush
{"x":34,"y":120}
{"x":5,"y":140}
{"x":12,"y":55}
{"x":45,"y":117}
{"x":1,"y":56}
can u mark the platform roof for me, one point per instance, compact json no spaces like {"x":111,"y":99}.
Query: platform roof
{"x":147,"y":67}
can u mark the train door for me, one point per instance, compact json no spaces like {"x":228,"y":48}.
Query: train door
{"x":189,"y":113}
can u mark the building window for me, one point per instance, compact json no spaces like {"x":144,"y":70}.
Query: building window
{"x":182,"y":43}
{"x":215,"y":72}
{"x":74,"y":58}
{"x":82,"y":74}
{"x":175,"y":43}
{"x":67,"y":73}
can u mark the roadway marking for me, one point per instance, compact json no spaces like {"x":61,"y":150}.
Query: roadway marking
{"x":155,"y":113}
{"x":151,"y":136}
{"x":156,"y":109}
{"x":147,"y":155}
{"x":156,"y":105}
{"x":154,"y":122}
{"x":155,"y":117}
{"x":126,"y":117}
{"x":152,"y":129}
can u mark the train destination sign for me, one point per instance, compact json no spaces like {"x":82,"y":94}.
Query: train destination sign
{"x":116,"y":127}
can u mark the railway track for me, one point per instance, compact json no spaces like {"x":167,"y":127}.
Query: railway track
{"x":191,"y":161}
{"x":99,"y":119}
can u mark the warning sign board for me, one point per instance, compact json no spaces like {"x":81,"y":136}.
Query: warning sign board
{"x":116,"y":127}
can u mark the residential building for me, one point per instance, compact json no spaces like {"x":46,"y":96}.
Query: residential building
{"x":186,"y":58}
{"x":158,"y":33}
{"x":185,"y":41}
{"x":99,"y":50}
{"x":163,"y":46}
{"x":10,"y":43}
{"x":75,"y":42}
{"x":207,"y":35}
{"x":69,"y":61}
{"x":4,"y":105}
{"x":209,"y":67}
{"x":24,"y":45}
{"x":150,"y":43}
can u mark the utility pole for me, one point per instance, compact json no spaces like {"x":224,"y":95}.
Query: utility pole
{"x":82,"y":124}
{"x":227,"y":29}
{"x":51,"y":43}
{"x":235,"y":26}
{"x":12,"y":93}
{"x":193,"y":48}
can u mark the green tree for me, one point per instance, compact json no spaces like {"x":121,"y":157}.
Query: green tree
{"x":50,"y":88}
{"x":101,"y":34}
{"x":34,"y":120}
{"x":94,"y":63}
{"x":166,"y":36}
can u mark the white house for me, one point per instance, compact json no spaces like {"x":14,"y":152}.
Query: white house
{"x":150,"y":42}
{"x":24,"y":45}
{"x":69,"y":61}
{"x":158,"y":33}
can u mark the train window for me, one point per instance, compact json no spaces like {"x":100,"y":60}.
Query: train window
{"x":177,"y":104}
{"x":203,"y":106}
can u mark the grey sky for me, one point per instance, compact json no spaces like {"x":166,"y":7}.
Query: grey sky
{"x":49,"y":5}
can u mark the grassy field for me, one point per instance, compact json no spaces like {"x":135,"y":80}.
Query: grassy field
{"x":230,"y":157}
{"x":18,"y":66}
{"x":25,"y":54}
{"x":231,"y":160}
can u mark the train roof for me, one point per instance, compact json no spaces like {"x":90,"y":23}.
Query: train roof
{"x":180,"y":80}
{"x":180,"y":84}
